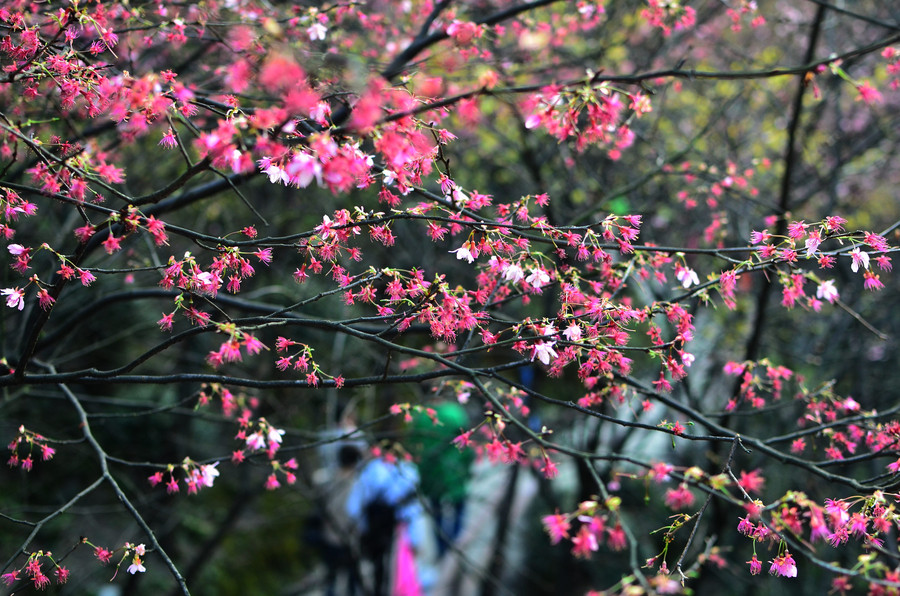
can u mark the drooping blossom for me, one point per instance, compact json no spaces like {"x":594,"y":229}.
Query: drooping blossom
{"x":868,"y":93}
{"x":136,"y":566}
{"x":686,"y":276}
{"x":467,"y":252}
{"x":513,"y":273}
{"x":860,"y":259}
{"x":538,"y":278}
{"x":256,"y":441}
{"x":572,"y":332}
{"x":15,"y":297}
{"x":755,"y":565}
{"x":208,"y":474}
{"x":872,"y":281}
{"x":784,"y":566}
{"x":827,"y":291}
{"x":543,"y":351}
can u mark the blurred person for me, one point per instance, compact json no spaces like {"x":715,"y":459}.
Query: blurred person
{"x":382,"y":501}
{"x":331,"y":529}
{"x":445,"y":469}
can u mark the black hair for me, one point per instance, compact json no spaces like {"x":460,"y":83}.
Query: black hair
{"x":349,"y":456}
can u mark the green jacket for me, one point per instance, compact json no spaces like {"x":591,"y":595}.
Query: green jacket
{"x":444,"y":469}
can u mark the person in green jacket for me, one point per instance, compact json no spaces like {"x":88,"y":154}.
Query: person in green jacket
{"x":443,"y":468}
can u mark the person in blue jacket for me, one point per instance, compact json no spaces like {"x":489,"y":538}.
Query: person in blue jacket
{"x":383,"y":497}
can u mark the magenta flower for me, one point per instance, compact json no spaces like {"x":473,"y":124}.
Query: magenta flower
{"x":784,"y":566}
{"x":755,"y":565}
{"x":557,"y":526}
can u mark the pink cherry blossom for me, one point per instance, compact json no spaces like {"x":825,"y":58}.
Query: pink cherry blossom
{"x":784,"y":566}
{"x":827,"y":291}
{"x":573,"y":332}
{"x":15,"y":297}
{"x":860,"y":259}
{"x":256,"y":441}
{"x":538,"y":278}
{"x":136,"y":566}
{"x":543,"y":351}
{"x":687,"y":276}
{"x":467,"y":252}
{"x":557,"y":526}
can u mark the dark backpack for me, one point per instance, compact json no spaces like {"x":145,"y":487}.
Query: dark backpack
{"x":314,"y":529}
{"x":381,"y":518}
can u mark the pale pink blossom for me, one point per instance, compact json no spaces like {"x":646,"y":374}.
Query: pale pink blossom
{"x":827,"y":291}
{"x":687,"y":276}
{"x":275,"y":435}
{"x":572,"y":332}
{"x":812,"y":243}
{"x":316,"y":31}
{"x":859,"y":259}
{"x":136,"y":566}
{"x":513,"y":273}
{"x":15,"y":297}
{"x":256,"y":441}
{"x":464,"y":253}
{"x":543,"y":351}
{"x":277,"y":174}
{"x":538,"y":278}
{"x":850,"y":405}
{"x":303,"y":169}
{"x":208,"y":474}
{"x":533,"y":121}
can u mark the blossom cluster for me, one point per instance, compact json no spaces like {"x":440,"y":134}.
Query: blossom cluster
{"x":669,"y":15}
{"x":135,"y":552}
{"x":865,"y":520}
{"x":590,"y":116}
{"x":32,"y":571}
{"x":262,"y":437}
{"x":866,"y":247}
{"x":758,"y":379}
{"x":196,"y":476}
{"x":590,"y":526}
{"x":23,"y":447}
{"x":835,"y":424}
{"x":489,"y":439}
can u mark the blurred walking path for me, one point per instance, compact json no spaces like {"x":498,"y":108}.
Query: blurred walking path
{"x":464,"y":568}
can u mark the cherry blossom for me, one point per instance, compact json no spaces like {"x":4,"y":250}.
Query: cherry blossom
{"x":860,"y":259}
{"x":827,"y":291}
{"x":15,"y":297}
{"x":544,"y":352}
{"x":468,"y":252}
{"x":136,"y":566}
{"x":687,"y":277}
